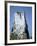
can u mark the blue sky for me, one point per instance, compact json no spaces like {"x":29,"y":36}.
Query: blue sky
{"x":28,"y":14}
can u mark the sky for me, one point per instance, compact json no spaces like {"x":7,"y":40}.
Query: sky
{"x":28,"y":14}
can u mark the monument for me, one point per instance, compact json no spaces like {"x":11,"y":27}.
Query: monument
{"x":20,"y":26}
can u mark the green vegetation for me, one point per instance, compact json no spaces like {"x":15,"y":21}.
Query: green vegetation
{"x":13,"y":36}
